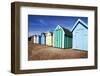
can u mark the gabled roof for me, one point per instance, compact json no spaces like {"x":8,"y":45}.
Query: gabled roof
{"x":49,"y":33}
{"x":81,"y":22}
{"x":38,"y":35}
{"x":35,"y":35}
{"x":43,"y":34}
{"x":66,"y":31}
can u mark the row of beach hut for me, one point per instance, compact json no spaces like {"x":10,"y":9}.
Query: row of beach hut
{"x":44,"y":38}
{"x":64,"y":38}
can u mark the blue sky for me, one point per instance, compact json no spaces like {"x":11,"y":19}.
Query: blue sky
{"x":41,"y":23}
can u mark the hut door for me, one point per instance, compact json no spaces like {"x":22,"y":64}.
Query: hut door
{"x":77,"y":40}
{"x":85,"y":39}
{"x":81,"y":39}
{"x":59,"y":38}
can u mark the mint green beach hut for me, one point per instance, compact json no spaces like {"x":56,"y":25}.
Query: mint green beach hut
{"x":62,"y":37}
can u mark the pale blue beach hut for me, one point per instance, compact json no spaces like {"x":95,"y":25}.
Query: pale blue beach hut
{"x":43,"y":38}
{"x":80,"y":35}
{"x":38,"y":39}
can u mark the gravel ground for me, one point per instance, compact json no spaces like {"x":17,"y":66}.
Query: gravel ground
{"x":42,"y":52}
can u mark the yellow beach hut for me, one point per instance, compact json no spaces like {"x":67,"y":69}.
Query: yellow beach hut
{"x":49,"y":38}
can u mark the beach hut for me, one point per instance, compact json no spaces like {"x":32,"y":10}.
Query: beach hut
{"x":49,"y":38}
{"x":80,"y":35}
{"x":34,"y":39}
{"x":43,"y":38}
{"x":38,"y":39}
{"x":62,"y":37}
{"x":29,"y":38}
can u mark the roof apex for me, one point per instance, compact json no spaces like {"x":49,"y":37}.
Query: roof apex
{"x":66,"y":31}
{"x":79,"y":20}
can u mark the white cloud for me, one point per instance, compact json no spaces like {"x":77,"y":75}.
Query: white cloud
{"x":33,"y":33}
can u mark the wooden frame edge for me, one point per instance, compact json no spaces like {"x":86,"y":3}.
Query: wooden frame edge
{"x":15,"y":37}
